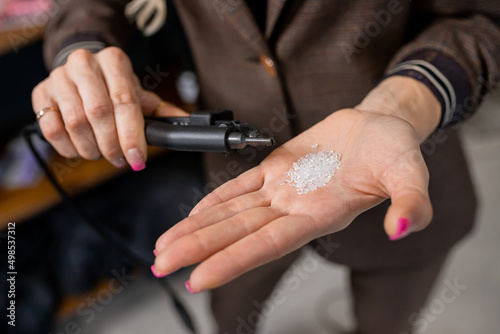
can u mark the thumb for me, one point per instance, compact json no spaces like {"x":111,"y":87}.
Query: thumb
{"x":153,"y":105}
{"x":410,"y":211}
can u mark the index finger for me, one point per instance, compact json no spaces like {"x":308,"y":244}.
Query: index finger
{"x":210,"y":216}
{"x":271,"y":242}
{"x":125,"y":97}
{"x":248,"y":182}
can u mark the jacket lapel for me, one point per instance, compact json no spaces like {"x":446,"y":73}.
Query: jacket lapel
{"x":274,"y":8}
{"x":239,"y":16}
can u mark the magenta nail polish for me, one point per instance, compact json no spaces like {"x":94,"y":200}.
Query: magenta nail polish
{"x":155,"y":273}
{"x":136,"y":159}
{"x":188,"y":288}
{"x":403,"y":229}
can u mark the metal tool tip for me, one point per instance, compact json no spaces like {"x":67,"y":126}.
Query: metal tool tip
{"x":259,"y":141}
{"x":238,"y":140}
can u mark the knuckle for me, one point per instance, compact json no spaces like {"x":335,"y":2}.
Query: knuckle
{"x":80,"y":56}
{"x":37,"y":90}
{"x":114,"y":52}
{"x":39,"y":94}
{"x":98,"y":111}
{"x":52,"y":132}
{"x":56,"y":73}
{"x":123,"y":97}
{"x":74,"y":122}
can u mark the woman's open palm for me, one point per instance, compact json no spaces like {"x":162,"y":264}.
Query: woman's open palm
{"x":255,"y":218}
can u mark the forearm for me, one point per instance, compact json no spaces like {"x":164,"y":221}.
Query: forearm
{"x":93,"y":24}
{"x":455,"y":55}
{"x":408,"y":99}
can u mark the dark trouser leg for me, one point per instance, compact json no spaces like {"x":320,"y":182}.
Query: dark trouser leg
{"x":236,"y":305}
{"x":384,"y":300}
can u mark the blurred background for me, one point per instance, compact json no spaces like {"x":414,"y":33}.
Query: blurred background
{"x":70,"y":281}
{"x":321,"y":307}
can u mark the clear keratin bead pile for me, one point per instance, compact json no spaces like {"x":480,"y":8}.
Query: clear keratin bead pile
{"x":312,"y":171}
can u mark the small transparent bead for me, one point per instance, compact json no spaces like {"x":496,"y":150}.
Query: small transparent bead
{"x":312,"y":171}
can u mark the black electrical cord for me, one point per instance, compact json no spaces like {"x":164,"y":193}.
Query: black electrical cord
{"x":106,"y":234}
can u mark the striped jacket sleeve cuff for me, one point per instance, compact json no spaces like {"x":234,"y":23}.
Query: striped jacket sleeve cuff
{"x":444,"y":77}
{"x":90,"y":43}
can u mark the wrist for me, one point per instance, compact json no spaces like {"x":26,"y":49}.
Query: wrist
{"x":408,"y":99}
{"x":90,"y":42}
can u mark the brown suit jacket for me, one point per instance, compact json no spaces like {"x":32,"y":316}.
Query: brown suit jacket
{"x":316,"y":57}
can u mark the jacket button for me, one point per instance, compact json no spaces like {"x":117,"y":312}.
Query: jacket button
{"x":269,"y":65}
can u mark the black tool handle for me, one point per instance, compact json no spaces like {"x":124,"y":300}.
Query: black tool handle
{"x":187,"y":138}
{"x":206,"y":131}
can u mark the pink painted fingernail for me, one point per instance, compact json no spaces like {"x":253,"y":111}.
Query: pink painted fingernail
{"x":136,"y":159}
{"x":155,"y":273}
{"x":403,"y":229}
{"x":154,"y":252}
{"x":188,"y":288}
